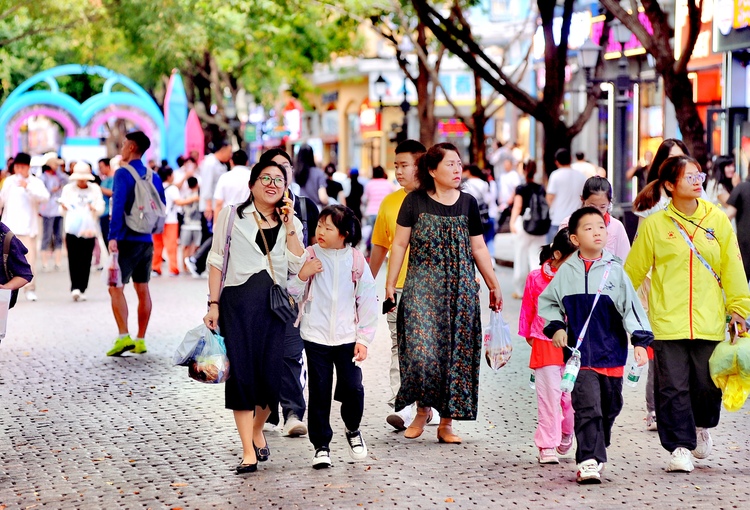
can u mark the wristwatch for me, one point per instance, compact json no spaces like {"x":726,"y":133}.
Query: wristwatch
{"x":291,"y":233}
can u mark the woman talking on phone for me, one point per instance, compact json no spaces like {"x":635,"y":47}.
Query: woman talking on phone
{"x":264,"y":223}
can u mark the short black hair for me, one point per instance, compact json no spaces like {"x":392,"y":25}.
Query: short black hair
{"x":46,"y":168}
{"x":240,"y":158}
{"x":192,"y":182}
{"x":106,"y":161}
{"x":345,"y":221}
{"x":577,"y":216}
{"x":180,"y":160}
{"x":580,"y":156}
{"x":164,"y":173}
{"x":562,"y":156}
{"x":411,"y":147}
{"x":378,"y":172}
{"x":140,"y":140}
{"x":22,"y":159}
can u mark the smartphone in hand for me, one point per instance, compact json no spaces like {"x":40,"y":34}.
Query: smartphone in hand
{"x":389,"y":305}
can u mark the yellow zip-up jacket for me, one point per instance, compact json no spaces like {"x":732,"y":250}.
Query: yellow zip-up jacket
{"x":686,"y":301}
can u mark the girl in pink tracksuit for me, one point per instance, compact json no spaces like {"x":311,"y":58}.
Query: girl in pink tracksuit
{"x":554,"y":433}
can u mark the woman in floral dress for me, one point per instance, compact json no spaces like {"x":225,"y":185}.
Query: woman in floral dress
{"x":439,"y":327}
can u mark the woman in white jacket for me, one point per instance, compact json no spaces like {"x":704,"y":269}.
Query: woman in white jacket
{"x":83,"y":203}
{"x":337,"y":326}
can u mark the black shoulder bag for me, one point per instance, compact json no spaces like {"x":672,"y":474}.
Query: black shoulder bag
{"x":282,"y":304}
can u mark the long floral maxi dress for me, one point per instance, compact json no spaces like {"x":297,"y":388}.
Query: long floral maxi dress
{"x":439,"y":323}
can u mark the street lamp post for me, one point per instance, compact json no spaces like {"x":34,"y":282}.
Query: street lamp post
{"x":622,"y":84}
{"x":381,"y":88}
{"x":405,"y":107}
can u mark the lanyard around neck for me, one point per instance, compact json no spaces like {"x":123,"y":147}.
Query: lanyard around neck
{"x":596,"y":300}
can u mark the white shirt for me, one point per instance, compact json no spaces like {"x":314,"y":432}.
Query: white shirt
{"x":210,"y":170}
{"x":586,"y":168}
{"x":80,"y":220}
{"x":567,"y":185}
{"x":21,"y":205}
{"x":172,"y":193}
{"x":509,"y":181}
{"x":232,"y":186}
{"x":328,"y":317}
{"x":248,"y":259}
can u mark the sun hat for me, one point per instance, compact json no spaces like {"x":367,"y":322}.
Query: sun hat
{"x":81,"y":172}
{"x":51,"y":159}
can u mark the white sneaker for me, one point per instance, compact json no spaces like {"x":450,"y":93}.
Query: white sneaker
{"x":547,"y":456}
{"x":704,"y":443}
{"x":269,"y":427}
{"x":82,"y":297}
{"x":680,"y":461}
{"x":357,"y":446}
{"x":293,"y":427}
{"x":588,"y":472}
{"x":322,"y":458}
{"x":76,"y":294}
{"x":651,"y":421}
{"x":434,"y":419}
{"x":401,"y":419}
{"x":191,"y":267}
{"x":31,"y":295}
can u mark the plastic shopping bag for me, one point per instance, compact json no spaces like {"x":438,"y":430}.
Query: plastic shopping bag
{"x":730,"y":371}
{"x":205,"y":355}
{"x":498,"y":345}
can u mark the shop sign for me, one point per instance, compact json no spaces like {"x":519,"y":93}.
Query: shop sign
{"x":452,"y":128}
{"x":251,"y":133}
{"x":368,"y":118}
{"x":633,"y":46}
{"x":731,"y":25}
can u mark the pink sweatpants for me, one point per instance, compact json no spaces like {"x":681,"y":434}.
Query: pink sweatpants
{"x":550,"y":400}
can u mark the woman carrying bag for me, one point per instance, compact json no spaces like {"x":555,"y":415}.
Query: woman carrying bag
{"x":697,"y":282}
{"x":265,"y":245}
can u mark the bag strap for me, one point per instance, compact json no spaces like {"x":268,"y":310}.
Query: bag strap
{"x":596,"y":300}
{"x":695,"y":251}
{"x":6,"y":252}
{"x":227,"y":242}
{"x":265,"y":243}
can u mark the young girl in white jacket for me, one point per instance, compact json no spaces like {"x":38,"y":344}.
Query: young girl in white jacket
{"x":338,"y":301}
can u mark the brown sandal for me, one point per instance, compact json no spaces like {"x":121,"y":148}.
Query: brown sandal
{"x":445,"y":435}
{"x":414,"y":431}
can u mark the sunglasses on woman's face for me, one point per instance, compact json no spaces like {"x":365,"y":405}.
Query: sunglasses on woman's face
{"x":266,"y":180}
{"x":694,"y":179}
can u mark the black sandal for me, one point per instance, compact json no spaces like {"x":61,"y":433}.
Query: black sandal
{"x":246,"y":468}
{"x":263,"y":452}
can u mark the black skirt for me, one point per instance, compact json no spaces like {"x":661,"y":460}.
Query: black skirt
{"x":254,"y":338}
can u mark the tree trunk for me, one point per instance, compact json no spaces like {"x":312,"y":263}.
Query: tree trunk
{"x":555,"y":137}
{"x":425,"y":97}
{"x":679,"y":90}
{"x":478,"y":119}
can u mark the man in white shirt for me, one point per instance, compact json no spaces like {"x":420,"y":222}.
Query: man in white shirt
{"x":583,"y":166}
{"x":210,"y":169}
{"x":232,"y":187}
{"x":21,"y":195}
{"x":508,"y":182}
{"x":564,"y":190}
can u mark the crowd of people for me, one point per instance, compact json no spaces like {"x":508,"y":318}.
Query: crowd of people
{"x":295,"y":231}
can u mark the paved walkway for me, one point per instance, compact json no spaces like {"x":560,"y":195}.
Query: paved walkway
{"x":81,"y":430}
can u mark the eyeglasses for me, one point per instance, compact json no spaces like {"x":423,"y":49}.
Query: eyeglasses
{"x":694,"y":179}
{"x":266,"y":180}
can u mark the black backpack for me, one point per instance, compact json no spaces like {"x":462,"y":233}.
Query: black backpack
{"x":6,"y":251}
{"x":536,"y":220}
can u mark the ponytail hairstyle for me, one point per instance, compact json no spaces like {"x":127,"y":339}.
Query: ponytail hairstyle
{"x":671,"y":171}
{"x":561,"y":243}
{"x":345,"y":222}
{"x":594,"y":185}
{"x":429,"y":161}
{"x":662,"y":154}
{"x":254,"y":175}
{"x":529,"y":169}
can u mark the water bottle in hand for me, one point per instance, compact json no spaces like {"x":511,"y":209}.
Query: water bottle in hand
{"x":634,"y":374}
{"x":532,"y":380}
{"x":571,"y":372}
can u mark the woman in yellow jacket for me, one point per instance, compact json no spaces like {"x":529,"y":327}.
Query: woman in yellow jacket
{"x":693,"y":252}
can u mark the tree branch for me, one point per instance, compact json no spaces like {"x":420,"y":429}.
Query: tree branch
{"x":632,"y":23}
{"x":694,"y":28}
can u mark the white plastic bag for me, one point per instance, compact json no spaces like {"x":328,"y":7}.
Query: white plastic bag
{"x":498,"y":345}
{"x":204,"y":353}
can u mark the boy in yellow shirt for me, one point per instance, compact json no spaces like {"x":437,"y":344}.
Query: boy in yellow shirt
{"x":407,"y":154}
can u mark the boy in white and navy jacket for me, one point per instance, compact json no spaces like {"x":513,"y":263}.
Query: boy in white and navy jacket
{"x":338,"y":313}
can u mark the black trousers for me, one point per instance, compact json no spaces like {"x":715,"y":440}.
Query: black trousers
{"x":597,"y":400}
{"x":104,"y":225}
{"x":80,"y":251}
{"x":201,"y":254}
{"x":321,"y":359}
{"x":290,"y":393}
{"x":684,"y":394}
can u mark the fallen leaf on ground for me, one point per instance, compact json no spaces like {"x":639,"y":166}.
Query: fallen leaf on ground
{"x":449,"y":500}
{"x":180,"y":484}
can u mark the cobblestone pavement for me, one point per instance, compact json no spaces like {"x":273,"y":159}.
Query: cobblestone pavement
{"x":81,"y":430}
